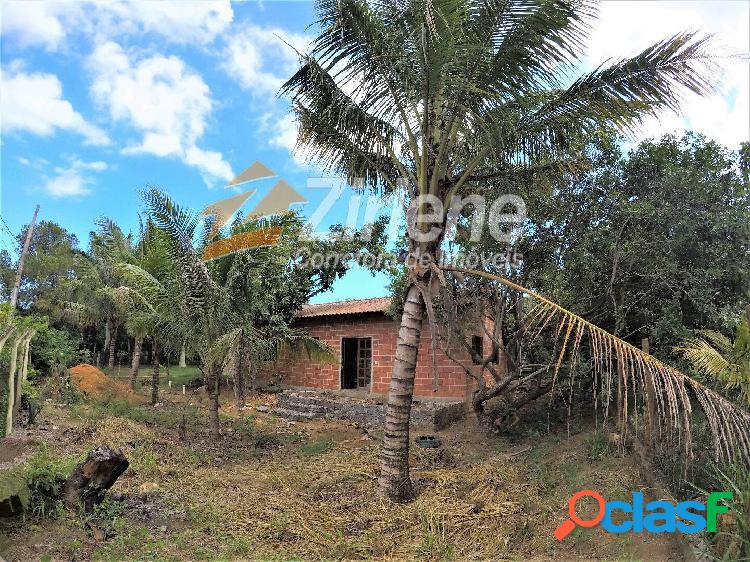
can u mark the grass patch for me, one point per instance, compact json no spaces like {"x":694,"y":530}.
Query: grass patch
{"x":318,"y":447}
{"x":190,"y":376}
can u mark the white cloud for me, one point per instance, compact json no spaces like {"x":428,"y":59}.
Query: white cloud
{"x":67,"y":183}
{"x":262,"y":59}
{"x":163,"y":99}
{"x":34,"y":103}
{"x":36,"y":23}
{"x":48,"y":24}
{"x":71,"y":181}
{"x":626,"y":28}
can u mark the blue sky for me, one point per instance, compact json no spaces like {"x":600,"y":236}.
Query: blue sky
{"x":101,"y":100}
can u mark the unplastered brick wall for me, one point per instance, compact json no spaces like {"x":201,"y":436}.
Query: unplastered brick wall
{"x":383,"y":330}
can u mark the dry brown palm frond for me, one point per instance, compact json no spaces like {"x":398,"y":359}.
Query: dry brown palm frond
{"x":636,"y":371}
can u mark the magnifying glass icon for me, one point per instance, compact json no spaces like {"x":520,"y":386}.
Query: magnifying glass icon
{"x":569,"y":524}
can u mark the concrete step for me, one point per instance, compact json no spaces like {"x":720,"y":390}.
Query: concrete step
{"x":295,"y":415}
{"x":306,"y":400}
{"x":292,"y":404}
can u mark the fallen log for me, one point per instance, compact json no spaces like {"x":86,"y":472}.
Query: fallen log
{"x":92,"y":478}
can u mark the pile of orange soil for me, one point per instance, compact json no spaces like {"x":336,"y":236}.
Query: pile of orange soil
{"x":95,"y":384}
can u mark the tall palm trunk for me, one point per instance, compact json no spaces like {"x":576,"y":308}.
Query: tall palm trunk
{"x":182,"y":356}
{"x":155,"y":373}
{"x":394,"y":481}
{"x":112,"y":346}
{"x":138,"y":344}
{"x":213,"y":401}
{"x":107,"y":337}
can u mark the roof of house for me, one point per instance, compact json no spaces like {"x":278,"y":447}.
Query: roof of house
{"x":341,"y":308}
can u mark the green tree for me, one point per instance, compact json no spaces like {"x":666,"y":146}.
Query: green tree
{"x":51,"y":263}
{"x":446,"y":94}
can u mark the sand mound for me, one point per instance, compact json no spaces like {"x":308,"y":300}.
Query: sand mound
{"x":95,"y":384}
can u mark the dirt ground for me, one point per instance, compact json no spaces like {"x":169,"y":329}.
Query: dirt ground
{"x":275,"y":490}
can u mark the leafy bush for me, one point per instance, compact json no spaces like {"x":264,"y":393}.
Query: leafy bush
{"x":53,"y":350}
{"x":45,"y":477}
{"x":732,"y":539}
{"x":597,"y":447}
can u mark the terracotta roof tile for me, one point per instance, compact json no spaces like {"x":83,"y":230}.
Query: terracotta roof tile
{"x":339,"y":308}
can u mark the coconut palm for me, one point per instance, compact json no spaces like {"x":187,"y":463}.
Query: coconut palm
{"x":714,"y":354}
{"x":446,"y":94}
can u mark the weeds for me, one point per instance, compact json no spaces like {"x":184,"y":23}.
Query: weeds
{"x":435,"y":545}
{"x":732,"y":539}
{"x":597,"y":447}
{"x":45,"y":477}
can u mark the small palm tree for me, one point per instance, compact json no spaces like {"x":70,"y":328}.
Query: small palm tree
{"x":714,"y":354}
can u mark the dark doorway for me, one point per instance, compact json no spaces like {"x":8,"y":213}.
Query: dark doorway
{"x":356,"y":362}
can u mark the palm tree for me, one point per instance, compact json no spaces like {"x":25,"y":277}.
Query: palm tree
{"x":714,"y":354}
{"x":156,"y":293}
{"x":98,"y":299}
{"x":217,"y":296}
{"x":446,"y":94}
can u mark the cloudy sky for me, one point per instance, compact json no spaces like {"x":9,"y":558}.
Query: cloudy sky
{"x":102,"y":99}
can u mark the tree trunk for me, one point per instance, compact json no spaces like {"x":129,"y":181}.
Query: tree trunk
{"x":212,"y":387}
{"x":112,"y":346}
{"x":394,"y":482}
{"x":182,"y":356}
{"x":136,"y":365}
{"x":239,"y":379}
{"x":107,"y":337}
{"x":91,"y":479}
{"x":155,"y":372}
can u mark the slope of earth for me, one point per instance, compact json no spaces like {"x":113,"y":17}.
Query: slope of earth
{"x":275,"y":490}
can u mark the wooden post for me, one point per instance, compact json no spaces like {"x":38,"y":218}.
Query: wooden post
{"x":22,"y":259}
{"x":652,"y":424}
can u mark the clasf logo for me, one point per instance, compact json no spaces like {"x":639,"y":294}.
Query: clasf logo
{"x":653,"y":517}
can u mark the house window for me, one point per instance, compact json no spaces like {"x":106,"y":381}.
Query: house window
{"x":476,"y":347}
{"x":356,"y":362}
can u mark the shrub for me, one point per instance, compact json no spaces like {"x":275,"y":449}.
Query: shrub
{"x":732,"y":539}
{"x":45,"y":477}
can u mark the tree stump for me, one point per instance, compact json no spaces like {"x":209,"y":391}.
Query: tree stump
{"x":92,"y":478}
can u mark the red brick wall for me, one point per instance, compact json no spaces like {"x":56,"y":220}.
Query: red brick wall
{"x":383,"y":331}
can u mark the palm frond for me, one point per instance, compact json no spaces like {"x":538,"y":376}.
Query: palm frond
{"x":704,"y":357}
{"x":615,"y":359}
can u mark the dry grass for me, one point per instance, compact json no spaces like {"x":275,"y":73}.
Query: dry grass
{"x":231,"y":501}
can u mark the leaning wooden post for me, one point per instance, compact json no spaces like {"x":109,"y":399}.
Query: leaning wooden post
{"x":27,"y":357}
{"x":12,"y":384}
{"x":652,"y":423}
{"x":21,"y":260}
{"x":18,"y":376}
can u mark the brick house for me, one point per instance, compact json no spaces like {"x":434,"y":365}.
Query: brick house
{"x":364,"y":339}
